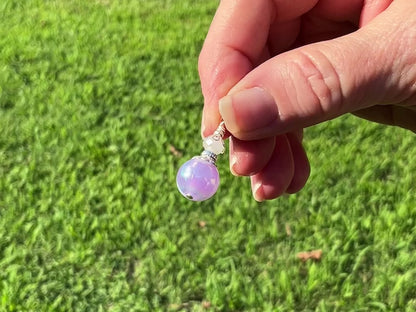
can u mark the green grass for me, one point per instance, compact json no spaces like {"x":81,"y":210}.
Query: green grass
{"x":92,"y":93}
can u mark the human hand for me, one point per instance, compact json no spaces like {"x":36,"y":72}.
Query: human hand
{"x":269,"y":68}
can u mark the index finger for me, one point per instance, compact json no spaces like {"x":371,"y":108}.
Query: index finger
{"x":236,"y":38}
{"x":237,"y":42}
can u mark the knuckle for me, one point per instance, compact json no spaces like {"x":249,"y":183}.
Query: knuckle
{"x":321,"y":82}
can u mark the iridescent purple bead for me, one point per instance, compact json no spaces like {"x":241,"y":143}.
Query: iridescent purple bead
{"x":198,"y":179}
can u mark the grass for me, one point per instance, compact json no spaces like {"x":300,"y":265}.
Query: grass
{"x":92,"y":94}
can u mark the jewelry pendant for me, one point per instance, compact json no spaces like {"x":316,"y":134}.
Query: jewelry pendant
{"x":198,"y":178}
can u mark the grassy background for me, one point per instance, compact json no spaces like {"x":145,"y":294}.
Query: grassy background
{"x":92,"y":94}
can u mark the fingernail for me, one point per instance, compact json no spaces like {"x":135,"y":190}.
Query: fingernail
{"x":257,"y":192}
{"x":203,"y":127}
{"x":248,"y":110}
{"x":233,"y":163}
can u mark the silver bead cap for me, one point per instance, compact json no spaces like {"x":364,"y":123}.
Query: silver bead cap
{"x":208,"y":156}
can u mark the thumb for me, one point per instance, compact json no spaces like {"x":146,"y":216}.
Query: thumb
{"x":317,"y":82}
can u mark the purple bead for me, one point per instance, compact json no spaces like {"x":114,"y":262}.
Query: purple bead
{"x":198,"y":179}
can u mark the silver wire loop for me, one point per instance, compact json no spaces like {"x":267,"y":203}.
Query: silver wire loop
{"x":219,"y":132}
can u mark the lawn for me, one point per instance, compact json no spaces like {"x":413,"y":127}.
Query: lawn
{"x":99,"y":106}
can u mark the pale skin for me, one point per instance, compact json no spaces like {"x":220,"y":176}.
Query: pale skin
{"x":270,"y":68}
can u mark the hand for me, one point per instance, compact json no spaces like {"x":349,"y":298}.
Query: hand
{"x":269,"y":68}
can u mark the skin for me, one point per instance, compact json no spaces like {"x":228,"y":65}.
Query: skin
{"x":270,"y":68}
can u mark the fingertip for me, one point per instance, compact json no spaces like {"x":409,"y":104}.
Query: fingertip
{"x":257,"y":190}
{"x":276,"y":176}
{"x":233,"y":165}
{"x":301,"y":162}
{"x":263,"y":191}
{"x":250,"y":157}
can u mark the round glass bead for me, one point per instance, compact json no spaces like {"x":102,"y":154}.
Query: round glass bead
{"x":198,"y":179}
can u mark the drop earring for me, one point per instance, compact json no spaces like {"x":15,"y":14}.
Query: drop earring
{"x":198,"y":178}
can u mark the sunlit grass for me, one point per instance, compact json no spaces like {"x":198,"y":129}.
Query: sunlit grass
{"x":92,"y":94}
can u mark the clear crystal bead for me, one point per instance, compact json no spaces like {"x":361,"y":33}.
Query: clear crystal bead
{"x":214,"y":144}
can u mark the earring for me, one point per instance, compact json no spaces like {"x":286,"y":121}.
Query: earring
{"x":198,"y":179}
